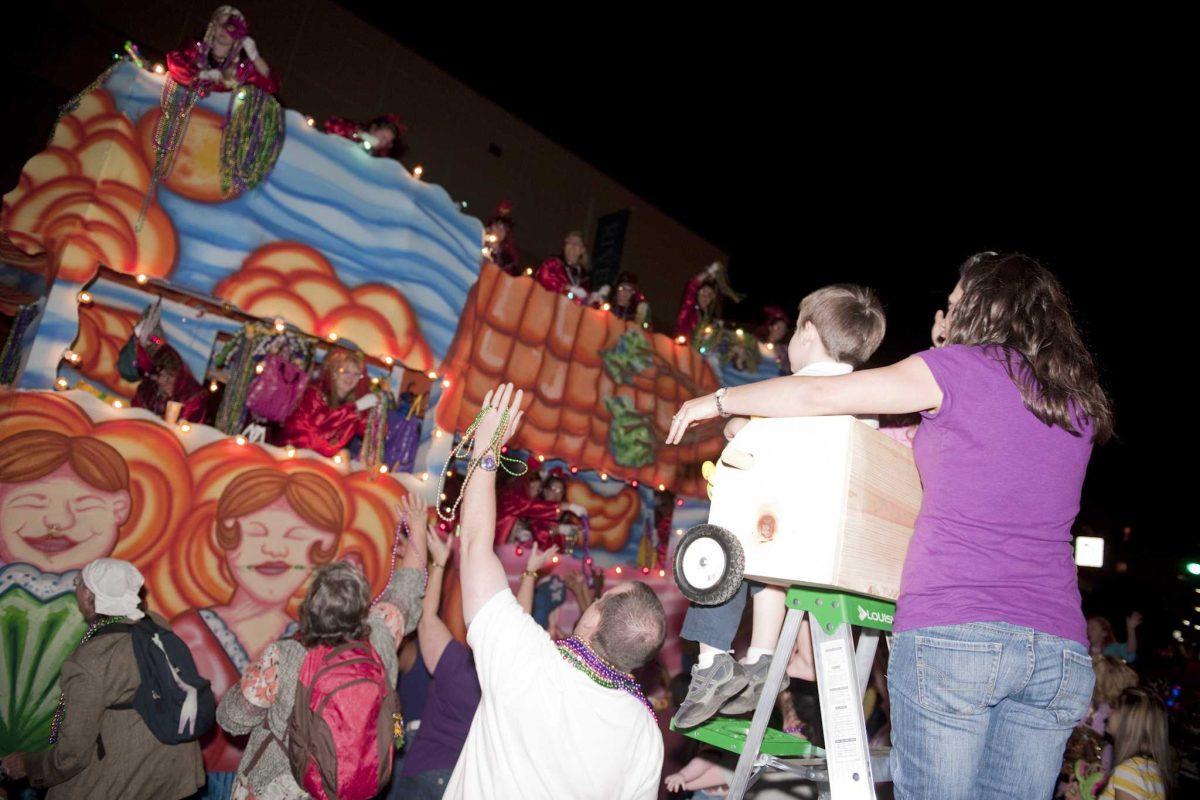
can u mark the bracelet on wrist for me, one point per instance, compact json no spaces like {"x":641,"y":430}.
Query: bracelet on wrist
{"x":530,"y":573}
{"x":436,"y":565}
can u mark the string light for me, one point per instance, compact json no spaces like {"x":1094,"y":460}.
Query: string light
{"x":258,"y":369}
{"x":520,"y":551}
{"x":212,"y":387}
{"x":634,"y":484}
{"x":437,"y":433}
{"x":159,"y":69}
{"x":490,"y":238}
{"x":588,"y":561}
{"x":431,"y":375}
{"x":389,"y":360}
{"x":554,"y":560}
{"x":291,"y":452}
{"x":311,"y":122}
{"x":603,"y":476}
{"x":374,"y":381}
{"x":338,"y":459}
{"x":185,"y":427}
{"x":662,"y":573}
{"x":445,"y":383}
{"x":606,"y":307}
{"x":418,"y":171}
{"x":541,"y":459}
{"x":680,"y":340}
{"x":679,"y":502}
{"x":61,"y":383}
{"x":617,"y":570}
{"x":574,"y":470}
{"x":770,"y":345}
{"x":529,"y":270}
{"x":646,"y":325}
{"x":570,"y":295}
{"x":142,"y":279}
{"x":449,"y":473}
{"x":708,"y":329}
{"x":241,"y":440}
{"x":85,"y":297}
{"x":383,"y":469}
{"x":739,"y":331}
{"x":333,"y":337}
{"x":679,"y":531}
{"x":662,"y":487}
{"x":72,"y":356}
{"x":280,"y":326}
{"x":444,"y":497}
{"x":645,"y":570}
{"x":424,"y":476}
{"x":483,"y":251}
{"x":118,"y":404}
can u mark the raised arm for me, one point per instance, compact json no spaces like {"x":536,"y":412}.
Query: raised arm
{"x":482,"y":573}
{"x":537,"y":560}
{"x":432,"y":633}
{"x":902,"y":388}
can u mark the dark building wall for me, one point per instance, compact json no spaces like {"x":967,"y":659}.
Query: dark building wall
{"x":331,"y":63}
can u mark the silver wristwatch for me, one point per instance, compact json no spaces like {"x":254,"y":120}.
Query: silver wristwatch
{"x":721,"y":406}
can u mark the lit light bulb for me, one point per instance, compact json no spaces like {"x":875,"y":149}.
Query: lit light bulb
{"x":291,"y":452}
{"x":72,"y":356}
{"x":444,"y":498}
{"x":662,"y":487}
{"x":603,"y":476}
{"x":241,"y":440}
{"x":85,"y":297}
{"x":366,"y":146}
{"x":333,"y":337}
{"x":437,"y":433}
{"x":142,"y":279}
{"x":446,"y":383}
{"x":241,"y":95}
{"x":424,"y":476}
{"x":679,"y":531}
{"x":708,"y":329}
{"x":645,"y":570}
{"x":383,"y":469}
{"x":646,"y":325}
{"x":118,"y":404}
{"x":529,"y":270}
{"x":389,"y":360}
{"x":418,"y":171}
{"x":61,"y":383}
{"x":280,"y":325}
{"x":311,"y":122}
{"x":337,"y":459}
{"x":680,"y":339}
{"x":634,"y":484}
{"x":483,"y":251}
{"x":662,"y":573}
{"x":554,"y":559}
{"x":490,"y":238}
{"x":374,"y":381}
{"x":606,"y":307}
{"x":212,"y":387}
{"x":258,"y":369}
{"x":770,"y":345}
{"x":159,"y":69}
{"x":185,"y":427}
{"x":431,"y":375}
{"x":449,"y":473}
{"x":617,"y":570}
{"x":570,"y":295}
{"x":541,"y":459}
{"x":574,"y":470}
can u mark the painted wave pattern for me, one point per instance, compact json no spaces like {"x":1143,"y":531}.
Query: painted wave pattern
{"x":371,"y":219}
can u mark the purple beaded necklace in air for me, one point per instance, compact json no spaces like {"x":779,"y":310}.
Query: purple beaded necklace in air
{"x":580,"y":656}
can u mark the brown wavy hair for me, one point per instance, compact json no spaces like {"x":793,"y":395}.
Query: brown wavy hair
{"x":32,"y":455}
{"x":1012,"y":302}
{"x":309,"y":495}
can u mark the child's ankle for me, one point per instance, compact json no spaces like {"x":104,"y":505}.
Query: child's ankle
{"x":753,"y":654}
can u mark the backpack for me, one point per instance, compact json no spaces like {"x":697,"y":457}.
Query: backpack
{"x":340,"y":735}
{"x":173,"y":699}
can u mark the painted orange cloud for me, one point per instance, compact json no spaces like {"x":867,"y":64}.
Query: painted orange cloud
{"x":196,"y":173}
{"x":295,"y":282}
{"x":80,"y":198}
{"x":610,"y":518}
{"x":103,"y":331}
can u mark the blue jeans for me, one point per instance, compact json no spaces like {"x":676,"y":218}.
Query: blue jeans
{"x":983,"y":710}
{"x":717,"y":625}
{"x":430,"y":785}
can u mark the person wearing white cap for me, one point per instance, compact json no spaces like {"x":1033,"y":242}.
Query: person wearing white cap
{"x":101,"y":747}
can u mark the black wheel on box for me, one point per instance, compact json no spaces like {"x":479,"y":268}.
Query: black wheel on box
{"x":709,"y":564}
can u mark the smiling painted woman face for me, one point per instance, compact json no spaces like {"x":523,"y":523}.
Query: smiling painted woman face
{"x":276,"y":552}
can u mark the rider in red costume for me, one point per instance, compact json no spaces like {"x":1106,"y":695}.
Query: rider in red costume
{"x":224,"y":59}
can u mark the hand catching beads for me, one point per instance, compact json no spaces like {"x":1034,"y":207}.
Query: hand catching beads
{"x":500,"y":408}
{"x":416,"y":510}
{"x":439,"y":551}
{"x":538,"y":558}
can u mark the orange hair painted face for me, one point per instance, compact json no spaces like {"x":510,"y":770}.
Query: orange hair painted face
{"x":63,"y":499}
{"x":277,"y":527}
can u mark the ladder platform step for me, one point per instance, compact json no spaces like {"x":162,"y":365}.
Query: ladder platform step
{"x":729,"y":733}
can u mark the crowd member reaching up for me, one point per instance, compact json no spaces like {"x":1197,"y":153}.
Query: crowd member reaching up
{"x":453,"y":694}
{"x":529,"y":578}
{"x":573,"y":706}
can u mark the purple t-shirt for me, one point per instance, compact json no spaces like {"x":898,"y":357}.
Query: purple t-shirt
{"x":992,"y":542}
{"x":449,"y":708}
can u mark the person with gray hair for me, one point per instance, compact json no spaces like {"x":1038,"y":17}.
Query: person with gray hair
{"x":101,"y":746}
{"x":573,"y":704}
{"x":336,"y":610}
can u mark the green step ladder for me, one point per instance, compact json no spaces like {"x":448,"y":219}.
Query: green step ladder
{"x":848,"y":768}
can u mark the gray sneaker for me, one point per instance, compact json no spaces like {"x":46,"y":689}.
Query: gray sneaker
{"x":756,"y":678}
{"x":710,"y":689}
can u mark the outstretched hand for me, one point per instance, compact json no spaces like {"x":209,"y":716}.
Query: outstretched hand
{"x":691,"y":413}
{"x":414,"y":507}
{"x":495,"y":404}
{"x":538,"y":558}
{"x":439,"y":551}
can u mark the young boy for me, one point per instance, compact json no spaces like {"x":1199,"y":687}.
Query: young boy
{"x":838,"y":329}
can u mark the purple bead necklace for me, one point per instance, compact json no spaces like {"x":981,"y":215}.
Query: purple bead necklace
{"x":580,"y":656}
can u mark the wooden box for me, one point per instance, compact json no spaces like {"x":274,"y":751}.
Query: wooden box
{"x":823,"y":501}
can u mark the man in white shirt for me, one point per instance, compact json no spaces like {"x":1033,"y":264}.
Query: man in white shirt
{"x":555,"y":721}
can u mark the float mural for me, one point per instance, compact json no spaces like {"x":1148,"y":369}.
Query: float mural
{"x":226,"y":535}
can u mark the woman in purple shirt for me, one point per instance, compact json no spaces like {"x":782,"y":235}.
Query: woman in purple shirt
{"x":990,"y":670}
